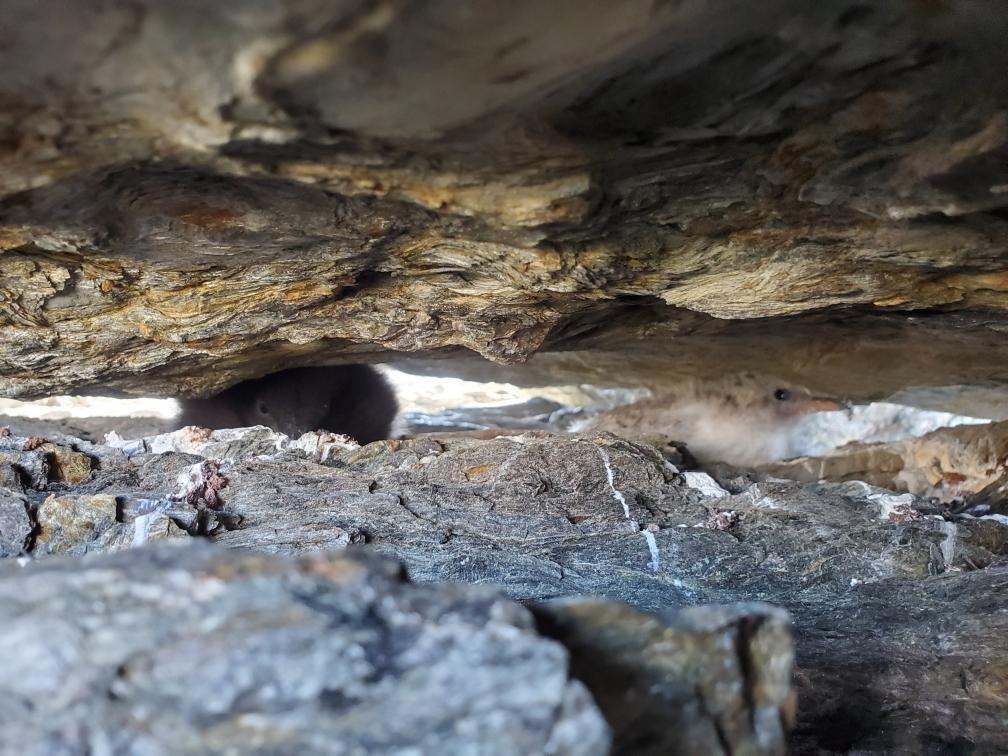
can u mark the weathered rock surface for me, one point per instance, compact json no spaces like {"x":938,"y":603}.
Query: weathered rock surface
{"x":192,"y":649}
{"x":938,"y":361}
{"x":193,"y":196}
{"x":91,"y":429}
{"x":548,"y":517}
{"x":942,"y":633}
{"x":15,"y":525}
{"x":199,"y":650}
{"x":644,"y":674}
{"x":951,"y":464}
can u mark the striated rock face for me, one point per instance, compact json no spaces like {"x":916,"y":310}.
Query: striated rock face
{"x":644,"y":674}
{"x":894,"y":599}
{"x":938,"y":361}
{"x":190,"y":196}
{"x":197,"y":650}
{"x":968,"y":462}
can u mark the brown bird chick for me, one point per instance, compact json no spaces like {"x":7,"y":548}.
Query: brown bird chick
{"x":742,"y":420}
{"x":354,"y":400}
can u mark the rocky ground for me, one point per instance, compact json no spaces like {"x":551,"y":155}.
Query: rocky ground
{"x":897,"y":605}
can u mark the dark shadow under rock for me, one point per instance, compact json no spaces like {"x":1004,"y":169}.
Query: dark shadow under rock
{"x":699,"y":680}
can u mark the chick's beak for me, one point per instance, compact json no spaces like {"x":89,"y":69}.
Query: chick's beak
{"x":822,"y":404}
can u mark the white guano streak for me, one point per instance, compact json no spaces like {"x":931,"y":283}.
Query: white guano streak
{"x":612,"y":482}
{"x":649,"y":538}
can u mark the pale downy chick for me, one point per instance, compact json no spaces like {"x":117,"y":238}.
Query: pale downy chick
{"x":741,"y":419}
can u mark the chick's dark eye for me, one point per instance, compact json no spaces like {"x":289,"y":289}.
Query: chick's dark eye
{"x":782,"y":395}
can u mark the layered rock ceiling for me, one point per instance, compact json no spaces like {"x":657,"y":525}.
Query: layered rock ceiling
{"x":194,"y":193}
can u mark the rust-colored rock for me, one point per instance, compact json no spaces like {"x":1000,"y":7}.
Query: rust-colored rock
{"x":357,"y":182}
{"x":949,"y":463}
